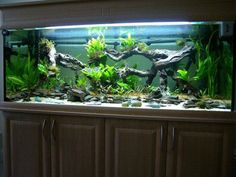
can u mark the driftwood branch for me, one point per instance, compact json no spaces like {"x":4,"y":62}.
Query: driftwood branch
{"x":161,"y":59}
{"x":131,"y":71}
{"x":154,"y":55}
{"x":68,"y":61}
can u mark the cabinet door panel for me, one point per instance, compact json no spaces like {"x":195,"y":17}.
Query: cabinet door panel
{"x":198,"y":150}
{"x":27,"y":151}
{"x":135,"y":148}
{"x":78,"y":147}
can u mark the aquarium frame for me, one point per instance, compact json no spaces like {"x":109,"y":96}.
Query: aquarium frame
{"x":233,"y":104}
{"x":3,"y":62}
{"x":2,"y":69}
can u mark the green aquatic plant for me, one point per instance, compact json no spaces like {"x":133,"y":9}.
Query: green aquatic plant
{"x":21,"y":74}
{"x":142,"y":46}
{"x":105,"y":78}
{"x":45,"y":46}
{"x":128,"y":43}
{"x":226,"y":65}
{"x":180,"y":42}
{"x":49,"y":76}
{"x":101,"y":77}
{"x":208,"y":61}
{"x":82,"y":82}
{"x":95,"y":48}
{"x":184,"y":75}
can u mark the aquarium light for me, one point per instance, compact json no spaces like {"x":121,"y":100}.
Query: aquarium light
{"x":121,"y":24}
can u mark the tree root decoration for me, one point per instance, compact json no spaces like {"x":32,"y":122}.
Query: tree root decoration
{"x":124,"y":72}
{"x":161,"y":59}
{"x":68,"y":61}
{"x":161,"y":56}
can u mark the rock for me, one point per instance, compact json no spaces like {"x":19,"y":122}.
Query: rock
{"x":221,"y":106}
{"x":65,"y":87}
{"x":110,"y":100}
{"x":37,"y":93}
{"x":193,"y":99}
{"x":117,"y":99}
{"x":154,"y":105}
{"x":157,"y":93}
{"x":63,"y":97}
{"x":76,"y":95}
{"x":94,"y":99}
{"x":136,"y":103}
{"x":173,"y":97}
{"x":125,"y":104}
{"x":54,"y":94}
{"x":88,"y":98}
{"x":185,"y":105}
{"x":37,"y":99}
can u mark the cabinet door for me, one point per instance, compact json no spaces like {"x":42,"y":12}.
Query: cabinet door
{"x":26,"y":147}
{"x":77,"y":147}
{"x":135,"y":148}
{"x":198,"y":150}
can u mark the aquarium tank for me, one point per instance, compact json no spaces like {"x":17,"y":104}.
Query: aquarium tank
{"x":156,"y":65}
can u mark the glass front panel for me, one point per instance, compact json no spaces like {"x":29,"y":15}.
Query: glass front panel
{"x":168,"y":65}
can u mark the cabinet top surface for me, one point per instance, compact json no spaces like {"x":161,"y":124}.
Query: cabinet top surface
{"x":130,"y":113}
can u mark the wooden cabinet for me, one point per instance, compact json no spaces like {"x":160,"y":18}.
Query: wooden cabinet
{"x":198,"y":150}
{"x":26,"y":149}
{"x":135,"y":148}
{"x":77,"y":147}
{"x":57,"y":146}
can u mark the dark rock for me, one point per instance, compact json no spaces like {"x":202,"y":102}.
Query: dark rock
{"x":186,"y":105}
{"x":95,"y":99}
{"x":54,"y":94}
{"x":110,"y":100}
{"x":63,"y":97}
{"x":65,"y":87}
{"x":37,"y":93}
{"x":157,"y":93}
{"x":75,"y":95}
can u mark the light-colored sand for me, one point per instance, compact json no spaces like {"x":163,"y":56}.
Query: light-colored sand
{"x":144,"y":105}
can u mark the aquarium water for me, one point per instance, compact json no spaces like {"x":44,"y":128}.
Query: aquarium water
{"x":155,"y":65}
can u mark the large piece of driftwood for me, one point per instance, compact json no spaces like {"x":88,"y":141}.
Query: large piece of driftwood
{"x":161,"y":59}
{"x":68,"y":61}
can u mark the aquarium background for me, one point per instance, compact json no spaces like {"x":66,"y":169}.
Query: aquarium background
{"x":191,"y":65}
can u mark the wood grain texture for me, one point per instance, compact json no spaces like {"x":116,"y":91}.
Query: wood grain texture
{"x":198,"y":150}
{"x":134,"y":148}
{"x":27,"y":152}
{"x":77,"y":147}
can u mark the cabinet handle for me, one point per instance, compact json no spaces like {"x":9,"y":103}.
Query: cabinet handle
{"x":173,"y":138}
{"x":43,"y":128}
{"x":53,"y":130}
{"x":162,"y":133}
